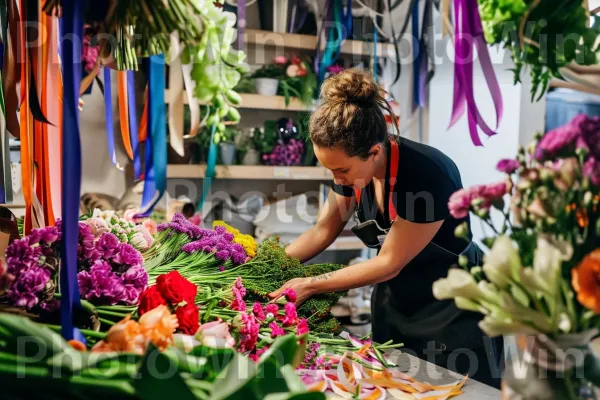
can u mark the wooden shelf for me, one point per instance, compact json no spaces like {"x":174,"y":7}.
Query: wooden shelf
{"x":309,"y":42}
{"x":250,"y":172}
{"x":259,"y":102}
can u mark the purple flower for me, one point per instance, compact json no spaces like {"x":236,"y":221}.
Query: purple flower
{"x":206,"y":232}
{"x":135,"y":280}
{"x":227,"y":236}
{"x":21,"y":256}
{"x":220,"y":229}
{"x":192,"y":247}
{"x":178,"y":218}
{"x":107,"y":245}
{"x":238,"y":257}
{"x":237,"y":247}
{"x":208,"y":249}
{"x":222,"y":255}
{"x":25,"y":290}
{"x":508,"y":166}
{"x":127,"y":255}
{"x":194,"y":231}
{"x":590,"y":134}
{"x":100,"y":285}
{"x":591,"y":170}
{"x":221,"y":268}
{"x":162,"y":227}
{"x":559,"y":139}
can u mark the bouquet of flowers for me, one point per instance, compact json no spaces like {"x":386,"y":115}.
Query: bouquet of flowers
{"x":138,"y":235}
{"x":540,"y":277}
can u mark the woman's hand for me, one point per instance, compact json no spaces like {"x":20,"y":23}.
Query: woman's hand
{"x":301,"y":286}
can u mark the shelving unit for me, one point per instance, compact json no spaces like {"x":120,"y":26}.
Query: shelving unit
{"x":288,"y":41}
{"x":259,"y":102}
{"x":250,"y":172}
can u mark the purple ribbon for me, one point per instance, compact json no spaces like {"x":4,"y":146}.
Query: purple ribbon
{"x":468,"y":35}
{"x":73,"y":12}
{"x":241,"y":23}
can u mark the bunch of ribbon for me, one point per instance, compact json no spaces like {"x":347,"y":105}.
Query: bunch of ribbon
{"x":468,"y":36}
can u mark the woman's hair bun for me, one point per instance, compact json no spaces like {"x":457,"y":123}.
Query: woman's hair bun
{"x":354,"y":86}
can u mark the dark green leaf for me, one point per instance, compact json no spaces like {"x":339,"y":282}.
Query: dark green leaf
{"x":283,"y":350}
{"x":591,"y":369}
{"x":30,"y":339}
{"x":292,"y":379}
{"x":159,"y":378}
{"x":237,"y":380}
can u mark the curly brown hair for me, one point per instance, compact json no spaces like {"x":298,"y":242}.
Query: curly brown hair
{"x":349,"y":114}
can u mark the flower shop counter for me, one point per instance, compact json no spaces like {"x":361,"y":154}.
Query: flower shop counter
{"x":424,"y":371}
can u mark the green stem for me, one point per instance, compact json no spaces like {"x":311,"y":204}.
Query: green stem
{"x":106,"y":321}
{"x":86,"y":332}
{"x":112,"y":313}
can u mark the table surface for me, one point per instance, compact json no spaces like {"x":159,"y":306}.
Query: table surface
{"x":427,"y":372}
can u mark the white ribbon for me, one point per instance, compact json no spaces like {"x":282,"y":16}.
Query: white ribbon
{"x":192,"y":101}
{"x":176,"y":107}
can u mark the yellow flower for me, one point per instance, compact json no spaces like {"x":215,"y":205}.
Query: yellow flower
{"x":248,"y":243}
{"x":229,"y":228}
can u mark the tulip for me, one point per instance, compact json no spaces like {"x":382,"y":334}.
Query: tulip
{"x":458,"y":283}
{"x":502,"y":262}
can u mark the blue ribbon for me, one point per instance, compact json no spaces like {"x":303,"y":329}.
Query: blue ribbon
{"x":72,"y":24}
{"x":210,"y":169}
{"x":108,"y":112}
{"x":416,"y":54}
{"x":156,"y":143}
{"x":375,"y":60}
{"x":133,"y":125}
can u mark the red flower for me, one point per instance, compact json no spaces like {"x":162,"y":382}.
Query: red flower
{"x":187,"y":318}
{"x":302,"y":327}
{"x":296,"y":60}
{"x":150,"y":299}
{"x":175,"y":288}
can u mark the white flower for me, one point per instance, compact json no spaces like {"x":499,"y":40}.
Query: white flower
{"x":185,"y":342}
{"x":458,"y":283}
{"x":138,"y":241}
{"x":469,"y":305}
{"x":498,"y":327}
{"x":502,"y":262}
{"x":548,"y":258}
{"x":98,"y":226}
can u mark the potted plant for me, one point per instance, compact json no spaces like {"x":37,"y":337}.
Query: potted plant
{"x":298,"y":81}
{"x":227,"y":146}
{"x":267,"y":78}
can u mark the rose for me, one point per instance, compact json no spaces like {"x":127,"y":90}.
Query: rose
{"x":150,"y":226}
{"x":187,"y":318}
{"x":175,"y":288}
{"x":508,"y":166}
{"x":281,"y":60}
{"x":150,"y":299}
{"x":98,"y":226}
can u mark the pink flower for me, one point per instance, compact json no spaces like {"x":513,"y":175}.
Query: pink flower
{"x":254,"y":356}
{"x":258,"y":312}
{"x":292,"y":71}
{"x":459,"y":204}
{"x":216,"y":334}
{"x":150,"y":226}
{"x":276,"y":330}
{"x":195,"y":219}
{"x":291,"y":316}
{"x":281,"y":60}
{"x":238,"y":303}
{"x":248,"y":332}
{"x":271,"y":310}
{"x":494,"y":191}
{"x":239,"y":286}
{"x":591,"y":170}
{"x":508,"y":166}
{"x":302,"y":327}
{"x":290,"y":294}
{"x":129,"y":215}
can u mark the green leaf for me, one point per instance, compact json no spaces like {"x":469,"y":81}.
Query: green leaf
{"x":292,"y":379}
{"x":269,"y":379}
{"x":156,"y":370}
{"x":30,"y":339}
{"x":284,"y":350}
{"x":186,"y":362}
{"x":237,"y":380}
{"x":591,"y":369}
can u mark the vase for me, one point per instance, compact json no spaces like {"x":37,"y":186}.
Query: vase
{"x":227,"y":152}
{"x":252,"y":157}
{"x":266,"y":86}
{"x":540,"y":368}
{"x":189,"y":148}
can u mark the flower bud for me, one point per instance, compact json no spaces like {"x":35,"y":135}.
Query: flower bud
{"x":547,"y":175}
{"x":488,"y":242}
{"x":537,"y":136}
{"x":463,"y":261}
{"x":581,"y":151}
{"x":462,"y":231}
{"x":483,"y":213}
{"x":588,"y":198}
{"x":477,"y":273}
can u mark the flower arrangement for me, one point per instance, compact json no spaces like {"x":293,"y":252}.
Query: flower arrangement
{"x":287,"y":154}
{"x":126,"y":230}
{"x":540,"y":277}
{"x":296,"y":79}
{"x":179,"y":295}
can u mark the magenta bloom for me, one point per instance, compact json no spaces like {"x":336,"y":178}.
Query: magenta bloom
{"x":258,"y":312}
{"x":248,"y":333}
{"x":562,"y":138}
{"x":290,"y":294}
{"x":590,"y":135}
{"x":508,"y":166}
{"x":27,"y":287}
{"x":276,"y":330}
{"x":591,"y":170}
{"x":101,"y":285}
{"x":271,"y":308}
{"x":126,"y":254}
{"x":135,"y":280}
{"x":239,"y":286}
{"x":222,"y":255}
{"x":21,"y":256}
{"x":291,"y":316}
{"x":302,"y":327}
{"x":460,"y":204}
{"x":107,"y":245}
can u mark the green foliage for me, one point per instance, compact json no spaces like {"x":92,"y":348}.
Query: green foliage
{"x":273,"y":71}
{"x":555,"y":35}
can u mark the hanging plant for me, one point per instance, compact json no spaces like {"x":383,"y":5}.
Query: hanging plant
{"x":544,"y":36}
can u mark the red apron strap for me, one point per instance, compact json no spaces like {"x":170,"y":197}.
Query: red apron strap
{"x":357,"y":193}
{"x":394,"y":160}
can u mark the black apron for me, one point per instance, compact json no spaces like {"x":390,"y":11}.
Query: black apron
{"x":404,"y":310}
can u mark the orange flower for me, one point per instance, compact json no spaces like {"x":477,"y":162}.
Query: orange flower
{"x":586,"y":281}
{"x":158,"y":325}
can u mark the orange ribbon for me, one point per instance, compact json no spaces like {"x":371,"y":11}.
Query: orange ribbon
{"x":124,"y":112}
{"x":143,"y":128}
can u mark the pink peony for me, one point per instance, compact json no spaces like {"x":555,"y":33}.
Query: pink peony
{"x":276,"y":330}
{"x":150,"y":226}
{"x":494,"y":191}
{"x":302,"y":327}
{"x":258,"y":312}
{"x":291,"y":316}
